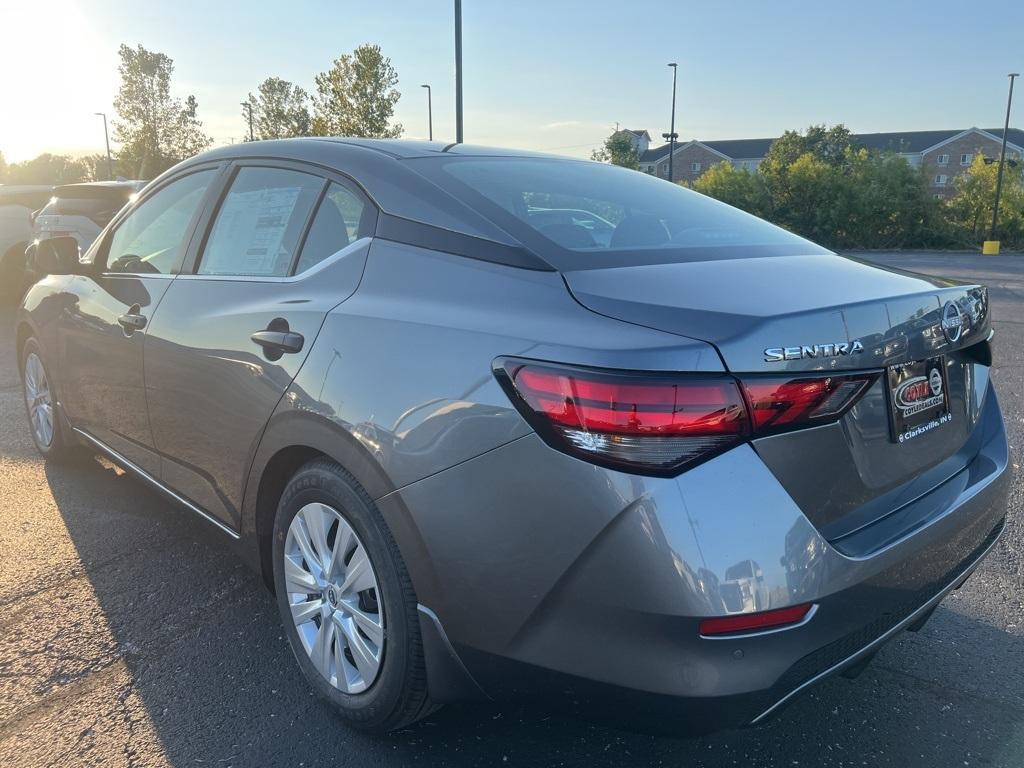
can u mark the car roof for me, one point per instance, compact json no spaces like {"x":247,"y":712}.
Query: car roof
{"x":394,"y":148}
{"x":15,"y":189}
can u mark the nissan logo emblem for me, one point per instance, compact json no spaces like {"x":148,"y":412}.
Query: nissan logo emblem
{"x":952,"y":322}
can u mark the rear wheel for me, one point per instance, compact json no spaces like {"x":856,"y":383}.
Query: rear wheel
{"x":346,"y":600}
{"x":40,"y":404}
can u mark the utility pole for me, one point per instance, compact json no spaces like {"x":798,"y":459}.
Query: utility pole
{"x":458,"y":71}
{"x":106,"y":138}
{"x":1002,"y":157}
{"x":247,"y":106}
{"x":430,"y":113}
{"x":671,"y":135}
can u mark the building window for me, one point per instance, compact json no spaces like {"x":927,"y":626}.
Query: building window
{"x":695,"y":167}
{"x":966,"y":158}
{"x":938,"y":196}
{"x":940,"y":180}
{"x":943,"y":159}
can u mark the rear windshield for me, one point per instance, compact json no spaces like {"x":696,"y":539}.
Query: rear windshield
{"x":581,"y":215}
{"x":97,"y":204}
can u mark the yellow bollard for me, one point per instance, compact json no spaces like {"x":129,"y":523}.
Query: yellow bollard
{"x":990,"y":248}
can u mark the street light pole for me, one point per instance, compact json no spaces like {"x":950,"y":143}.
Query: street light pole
{"x":672,"y":128}
{"x":1002,"y":157}
{"x":106,"y":138}
{"x":247,"y":106}
{"x":430,"y":113}
{"x":458,"y":71}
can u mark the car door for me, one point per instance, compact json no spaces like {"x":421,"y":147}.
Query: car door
{"x":102,"y":332}
{"x":285,"y":246}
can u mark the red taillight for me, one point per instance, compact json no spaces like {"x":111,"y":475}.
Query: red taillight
{"x":658,"y":423}
{"x":754,"y":622}
{"x":779,"y":403}
{"x":651,"y":422}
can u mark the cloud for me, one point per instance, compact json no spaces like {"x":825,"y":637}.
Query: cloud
{"x":562,"y":124}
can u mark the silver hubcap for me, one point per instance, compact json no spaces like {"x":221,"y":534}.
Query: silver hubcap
{"x":39,"y":400}
{"x":333,"y":595}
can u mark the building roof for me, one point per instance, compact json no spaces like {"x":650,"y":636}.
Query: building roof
{"x":898,"y":141}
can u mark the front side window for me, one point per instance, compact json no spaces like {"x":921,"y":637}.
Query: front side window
{"x":260,"y":223}
{"x":594,"y":214}
{"x":150,"y":239}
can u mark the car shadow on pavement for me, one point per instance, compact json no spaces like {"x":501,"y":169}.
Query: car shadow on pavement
{"x":207,"y":658}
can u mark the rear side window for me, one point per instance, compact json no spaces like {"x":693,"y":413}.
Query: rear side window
{"x":260,"y":223}
{"x":150,"y":238}
{"x":341,"y":218}
{"x":579,"y":215}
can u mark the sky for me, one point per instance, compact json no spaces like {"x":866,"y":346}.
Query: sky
{"x":552,"y":75}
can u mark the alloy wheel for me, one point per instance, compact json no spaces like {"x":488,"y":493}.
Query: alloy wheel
{"x":334,"y":599}
{"x":39,"y":400}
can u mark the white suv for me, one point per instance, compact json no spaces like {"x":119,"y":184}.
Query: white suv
{"x":82,"y":211}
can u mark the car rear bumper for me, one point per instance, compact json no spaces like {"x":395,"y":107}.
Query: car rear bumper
{"x":552,"y":576}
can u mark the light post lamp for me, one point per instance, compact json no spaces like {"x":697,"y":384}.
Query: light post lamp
{"x":430,"y":113}
{"x":106,"y":138}
{"x":247,"y":106}
{"x":672,"y":135}
{"x":993,"y":245}
{"x":458,"y":71}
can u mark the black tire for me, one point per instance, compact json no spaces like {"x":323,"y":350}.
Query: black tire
{"x":61,"y":445}
{"x":398,"y":696}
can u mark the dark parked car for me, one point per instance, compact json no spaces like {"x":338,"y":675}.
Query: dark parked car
{"x":691,"y":467}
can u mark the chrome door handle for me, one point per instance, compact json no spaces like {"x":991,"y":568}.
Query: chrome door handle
{"x":132,"y":321}
{"x":279,"y":341}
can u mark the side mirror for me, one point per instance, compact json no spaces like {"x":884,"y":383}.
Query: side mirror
{"x":57,"y":256}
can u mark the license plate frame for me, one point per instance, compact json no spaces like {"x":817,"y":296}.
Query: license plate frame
{"x":918,"y":397}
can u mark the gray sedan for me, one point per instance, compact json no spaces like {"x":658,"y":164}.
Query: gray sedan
{"x":675,"y":468}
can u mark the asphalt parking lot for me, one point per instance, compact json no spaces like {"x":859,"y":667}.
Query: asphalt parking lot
{"x":130,"y":636}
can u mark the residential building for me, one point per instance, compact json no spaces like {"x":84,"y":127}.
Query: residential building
{"x":944,"y":154}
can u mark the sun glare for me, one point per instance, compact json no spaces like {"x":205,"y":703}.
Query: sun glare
{"x":54,"y":75}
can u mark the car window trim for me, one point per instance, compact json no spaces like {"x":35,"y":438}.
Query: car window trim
{"x":103,"y":242}
{"x":194,"y":259}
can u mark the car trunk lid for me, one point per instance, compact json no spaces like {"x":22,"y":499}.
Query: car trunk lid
{"x":800,"y":314}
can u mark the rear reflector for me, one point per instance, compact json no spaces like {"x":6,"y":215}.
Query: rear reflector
{"x":658,"y":423}
{"x":754,"y":622}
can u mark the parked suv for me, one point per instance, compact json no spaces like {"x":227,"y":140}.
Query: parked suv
{"x":82,"y":210}
{"x":692,"y":467}
{"x":17,"y":203}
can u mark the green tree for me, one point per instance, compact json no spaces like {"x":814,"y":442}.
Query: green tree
{"x":48,"y":169}
{"x":826,"y":144}
{"x":971,"y":210}
{"x":155,"y":129}
{"x":357,"y":96}
{"x":618,"y":149}
{"x":280,"y":109}
{"x":736,"y":186}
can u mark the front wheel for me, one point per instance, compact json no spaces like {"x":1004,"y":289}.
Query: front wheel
{"x":346,"y":600}
{"x":40,"y":404}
